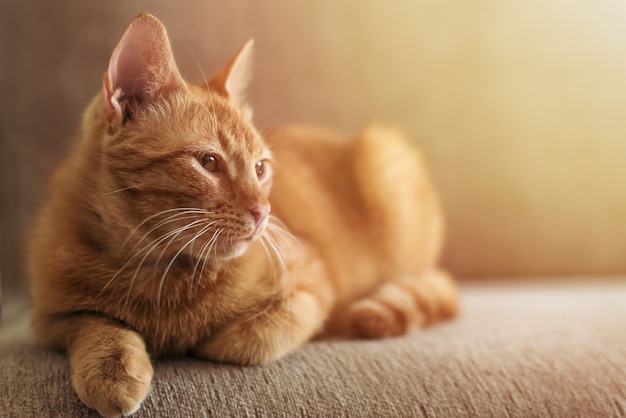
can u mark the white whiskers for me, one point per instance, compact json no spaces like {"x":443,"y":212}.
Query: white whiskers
{"x":180,"y":229}
{"x":273,"y":241}
{"x":145,"y":247}
{"x":118,"y":190}
{"x":167,"y":269}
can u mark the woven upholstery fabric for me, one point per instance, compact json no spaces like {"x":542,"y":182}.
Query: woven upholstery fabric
{"x":517,"y":350}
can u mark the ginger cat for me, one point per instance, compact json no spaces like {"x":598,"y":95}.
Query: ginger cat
{"x":157,"y":238}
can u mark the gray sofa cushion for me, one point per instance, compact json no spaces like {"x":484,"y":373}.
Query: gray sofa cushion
{"x":517,"y":350}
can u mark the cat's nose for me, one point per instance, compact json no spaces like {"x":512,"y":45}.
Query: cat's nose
{"x":259,"y":212}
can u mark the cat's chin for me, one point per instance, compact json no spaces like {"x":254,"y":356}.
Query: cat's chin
{"x":233,"y":249}
{"x":237,"y":247}
{"x":237,"y":250}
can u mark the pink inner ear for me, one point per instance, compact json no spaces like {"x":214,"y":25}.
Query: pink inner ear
{"x":142,"y":65}
{"x":126,"y":70}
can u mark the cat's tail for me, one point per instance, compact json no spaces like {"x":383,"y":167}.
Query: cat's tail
{"x":399,"y":198}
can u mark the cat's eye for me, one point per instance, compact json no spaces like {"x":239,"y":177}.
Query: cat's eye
{"x":209,"y":162}
{"x":260,"y":168}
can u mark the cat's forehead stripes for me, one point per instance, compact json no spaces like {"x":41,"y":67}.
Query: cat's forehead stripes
{"x":190,"y":123}
{"x":241,"y":148}
{"x":233,"y":137}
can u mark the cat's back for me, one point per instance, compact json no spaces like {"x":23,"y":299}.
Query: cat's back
{"x":365,"y":203}
{"x":313,"y":189}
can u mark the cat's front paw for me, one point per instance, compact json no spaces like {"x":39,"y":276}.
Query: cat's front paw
{"x":115,"y":384}
{"x":267,"y":336}
{"x":240,"y":344}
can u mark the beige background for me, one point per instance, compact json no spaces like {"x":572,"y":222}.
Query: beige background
{"x":520,"y":106}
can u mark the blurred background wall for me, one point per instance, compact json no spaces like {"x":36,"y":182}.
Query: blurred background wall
{"x":519,"y":106}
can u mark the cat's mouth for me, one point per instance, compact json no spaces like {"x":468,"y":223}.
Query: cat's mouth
{"x":258,"y":231}
{"x":237,"y":245}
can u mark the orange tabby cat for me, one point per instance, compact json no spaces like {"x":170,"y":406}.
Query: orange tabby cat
{"x":157,"y":239}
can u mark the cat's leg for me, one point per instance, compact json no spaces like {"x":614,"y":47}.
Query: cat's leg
{"x":284,"y":324}
{"x":405,"y":304}
{"x":111,"y":369}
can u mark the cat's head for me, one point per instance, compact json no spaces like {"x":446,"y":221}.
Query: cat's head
{"x":183,"y":169}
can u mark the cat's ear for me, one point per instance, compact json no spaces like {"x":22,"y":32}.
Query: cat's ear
{"x":141,"y":68}
{"x":232,"y":80}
